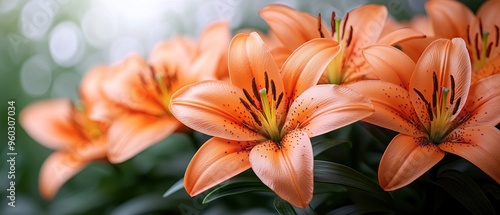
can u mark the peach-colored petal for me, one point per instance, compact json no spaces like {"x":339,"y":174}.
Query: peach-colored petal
{"x":215,"y":38}
{"x":367,"y":22}
{"x":90,"y":90}
{"x":490,"y":68}
{"x":216,"y":161}
{"x":249,"y":58}
{"x":449,"y":61}
{"x":415,"y":48}
{"x":292,"y":27}
{"x":214,"y":108}
{"x":400,"y":35}
{"x":127,"y":88}
{"x":482,"y":103}
{"x":288,"y":170}
{"x":393,"y":109}
{"x":449,"y":18}
{"x":132,"y":133}
{"x":405,"y":159}
{"x":58,"y":168}
{"x":488,"y":13}
{"x":174,"y":55}
{"x":306,"y":64}
{"x":326,"y":107}
{"x":390,"y":64}
{"x":280,"y":54}
{"x":50,"y":123}
{"x":479,"y":145}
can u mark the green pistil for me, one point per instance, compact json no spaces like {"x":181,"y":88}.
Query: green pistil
{"x":337,"y":29}
{"x":440,"y":124}
{"x":269,"y":117}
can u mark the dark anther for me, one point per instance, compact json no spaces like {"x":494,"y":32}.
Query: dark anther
{"x":477,"y":47}
{"x":273,"y":90}
{"x":343,"y":27}
{"x":249,"y":98}
{"x":429,"y":110}
{"x":319,"y":26}
{"x":434,"y":92}
{"x":468,"y":36}
{"x":498,"y":32}
{"x":332,"y":23}
{"x":455,"y":109}
{"x":481,"y":27}
{"x":255,"y":90}
{"x":488,"y":50}
{"x":266,"y":80}
{"x":452,"y":89}
{"x":255,"y":118}
{"x":279,"y":100}
{"x":350,"y":37}
{"x":247,"y":106}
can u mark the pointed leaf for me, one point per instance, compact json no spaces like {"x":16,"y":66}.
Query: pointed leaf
{"x":235,"y":187}
{"x":466,"y":191}
{"x":335,"y":173}
{"x":179,"y":185}
{"x":323,"y":145}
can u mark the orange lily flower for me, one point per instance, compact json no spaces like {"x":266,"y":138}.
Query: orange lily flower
{"x":435,"y":108}
{"x":264,"y":118}
{"x":66,"y":127}
{"x":143,"y":90}
{"x":360,"y":27}
{"x":481,"y":32}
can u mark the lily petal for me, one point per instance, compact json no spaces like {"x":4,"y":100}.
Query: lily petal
{"x":405,"y":159}
{"x":306,"y":64}
{"x":393,"y":109}
{"x":132,"y":133}
{"x":58,"y":168}
{"x":288,"y":170}
{"x":448,"y":60}
{"x":326,"y":107}
{"x":479,"y":145}
{"x":446,"y":23}
{"x":482,"y":103}
{"x":286,"y":21}
{"x":368,"y":22}
{"x":125,"y":86}
{"x":216,"y":161}
{"x":400,"y":35}
{"x":213,"y":108}
{"x":49,"y":122}
{"x":250,"y":58}
{"x":390,"y":64}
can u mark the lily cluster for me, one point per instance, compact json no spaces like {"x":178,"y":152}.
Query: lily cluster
{"x":261,"y":97}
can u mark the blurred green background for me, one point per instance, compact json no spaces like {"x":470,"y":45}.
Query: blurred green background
{"x":46,"y":46}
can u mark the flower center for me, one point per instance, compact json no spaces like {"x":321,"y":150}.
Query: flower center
{"x":335,"y":73}
{"x":482,"y":50}
{"x":89,"y":128}
{"x":264,"y":112}
{"x":439,"y":111}
{"x":162,"y":85}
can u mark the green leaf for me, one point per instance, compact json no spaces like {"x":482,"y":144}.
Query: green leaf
{"x":323,"y":145}
{"x":328,"y":172}
{"x":179,"y":185}
{"x":235,"y":187}
{"x":466,"y":191}
{"x":285,"y":208}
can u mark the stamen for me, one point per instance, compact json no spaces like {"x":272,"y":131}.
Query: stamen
{"x":279,"y":100}
{"x":468,"y":35}
{"x":337,"y":29}
{"x":350,"y":36}
{"x":266,"y":80}
{"x":476,"y":41}
{"x":485,"y":41}
{"x":247,"y":106}
{"x":452,"y":89}
{"x":249,"y":98}
{"x":255,"y":91}
{"x":429,"y":110}
{"x":434,"y":92}
{"x":343,"y":27}
{"x":265,"y":103}
{"x":273,"y":90}
{"x":488,"y":50}
{"x":455,"y":109}
{"x":332,"y":24}
{"x":481,"y":26}
{"x":256,"y":118}
{"x":319,"y":26}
